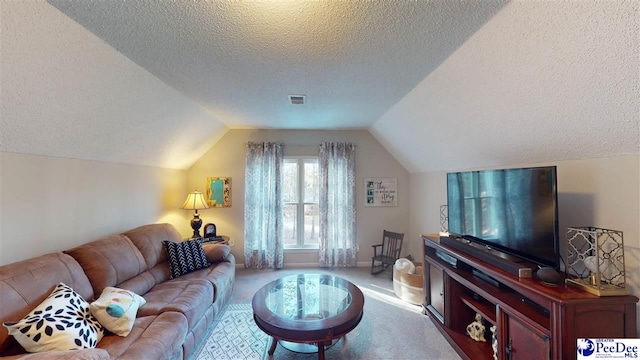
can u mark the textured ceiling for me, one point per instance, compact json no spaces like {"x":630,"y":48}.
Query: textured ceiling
{"x":240,"y":59}
{"x":540,"y":82}
{"x":442,"y":85}
{"x":65,"y":93}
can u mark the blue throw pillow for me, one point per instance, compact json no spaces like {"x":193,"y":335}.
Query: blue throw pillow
{"x":185,"y":257}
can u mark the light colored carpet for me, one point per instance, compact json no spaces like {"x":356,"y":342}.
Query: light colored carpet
{"x":390,"y":328}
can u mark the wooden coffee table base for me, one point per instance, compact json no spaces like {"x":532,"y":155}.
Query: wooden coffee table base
{"x":304,"y":348}
{"x":305,"y":329}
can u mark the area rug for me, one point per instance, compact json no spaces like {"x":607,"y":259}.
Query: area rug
{"x":235,"y":336}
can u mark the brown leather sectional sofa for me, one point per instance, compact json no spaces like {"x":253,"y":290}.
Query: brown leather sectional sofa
{"x":172,"y":323}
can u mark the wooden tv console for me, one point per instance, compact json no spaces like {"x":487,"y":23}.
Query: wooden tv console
{"x":533,"y":321}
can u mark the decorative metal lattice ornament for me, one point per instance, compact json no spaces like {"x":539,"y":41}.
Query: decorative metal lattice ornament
{"x":595,"y":260}
{"x":444,"y":218}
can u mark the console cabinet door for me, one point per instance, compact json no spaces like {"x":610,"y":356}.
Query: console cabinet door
{"x":436,"y":289}
{"x":524,"y":341}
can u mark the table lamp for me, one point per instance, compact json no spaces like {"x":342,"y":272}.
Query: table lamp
{"x":195,"y":201}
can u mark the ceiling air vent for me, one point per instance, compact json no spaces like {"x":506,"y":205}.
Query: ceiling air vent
{"x":298,"y":99}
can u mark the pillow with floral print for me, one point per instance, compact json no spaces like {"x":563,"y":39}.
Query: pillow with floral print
{"x":61,"y":322}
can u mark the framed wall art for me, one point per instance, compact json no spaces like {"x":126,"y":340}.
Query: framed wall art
{"x":219,"y":192}
{"x":381,"y":192}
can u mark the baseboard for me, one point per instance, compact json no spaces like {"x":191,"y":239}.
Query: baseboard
{"x":301,"y":265}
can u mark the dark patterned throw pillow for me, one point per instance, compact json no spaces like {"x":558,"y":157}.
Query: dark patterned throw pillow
{"x":61,"y":322}
{"x":185,"y":257}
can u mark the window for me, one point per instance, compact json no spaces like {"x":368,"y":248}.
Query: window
{"x":300,"y":202}
{"x":479,"y":197}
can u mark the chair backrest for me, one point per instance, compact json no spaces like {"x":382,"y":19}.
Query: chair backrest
{"x":391,"y":244}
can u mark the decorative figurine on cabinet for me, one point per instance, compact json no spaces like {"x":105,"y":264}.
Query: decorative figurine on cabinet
{"x":476,"y":329}
{"x":494,"y":341}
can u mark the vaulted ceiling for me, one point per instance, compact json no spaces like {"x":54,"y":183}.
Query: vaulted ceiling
{"x":441,"y":84}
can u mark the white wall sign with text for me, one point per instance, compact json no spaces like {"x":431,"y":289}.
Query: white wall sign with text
{"x":381,"y":192}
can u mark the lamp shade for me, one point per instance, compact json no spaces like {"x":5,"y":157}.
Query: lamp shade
{"x":195,"y":201}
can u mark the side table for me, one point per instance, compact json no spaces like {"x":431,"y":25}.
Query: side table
{"x":220,"y":239}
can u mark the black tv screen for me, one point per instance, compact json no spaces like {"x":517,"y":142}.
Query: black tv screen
{"x":511,"y":210}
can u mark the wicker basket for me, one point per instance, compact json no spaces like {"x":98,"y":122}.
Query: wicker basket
{"x":408,"y":287}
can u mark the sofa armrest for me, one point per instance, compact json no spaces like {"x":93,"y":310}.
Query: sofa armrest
{"x":83,"y":354}
{"x":216,"y":253}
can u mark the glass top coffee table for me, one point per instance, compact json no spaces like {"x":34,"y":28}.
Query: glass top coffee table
{"x":307,"y":312}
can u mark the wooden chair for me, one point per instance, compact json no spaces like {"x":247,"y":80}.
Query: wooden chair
{"x":386,"y":254}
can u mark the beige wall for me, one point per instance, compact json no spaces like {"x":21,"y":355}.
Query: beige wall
{"x":227,"y":159}
{"x":51,"y":204}
{"x":602,"y":192}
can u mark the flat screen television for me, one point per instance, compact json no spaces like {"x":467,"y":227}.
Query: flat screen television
{"x":511,"y":210}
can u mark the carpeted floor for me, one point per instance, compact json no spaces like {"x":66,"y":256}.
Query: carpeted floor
{"x":235,"y":336}
{"x":390,"y":328}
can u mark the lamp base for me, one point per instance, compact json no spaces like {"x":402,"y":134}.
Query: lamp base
{"x":196,"y":223}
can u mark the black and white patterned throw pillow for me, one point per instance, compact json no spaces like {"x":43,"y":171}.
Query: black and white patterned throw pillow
{"x":61,"y":322}
{"x":185,"y":257}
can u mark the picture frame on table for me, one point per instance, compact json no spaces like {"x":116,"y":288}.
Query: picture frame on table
{"x":209,"y":231}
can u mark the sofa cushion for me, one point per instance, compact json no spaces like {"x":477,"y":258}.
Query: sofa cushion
{"x":116,"y":309}
{"x":185,"y":257}
{"x":152,"y":337}
{"x":25,"y":284}
{"x":148,"y":239}
{"x":61,"y":322}
{"x":197,"y":334}
{"x":112,"y":261}
{"x":221,"y":276}
{"x":190,"y":298}
{"x":216,"y":252}
{"x":82,"y":354}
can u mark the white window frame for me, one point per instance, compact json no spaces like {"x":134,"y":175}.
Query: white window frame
{"x":477,"y":199}
{"x":300,"y":160}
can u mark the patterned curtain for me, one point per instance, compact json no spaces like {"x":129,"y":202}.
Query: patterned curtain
{"x":263,"y":247}
{"x":338,"y":244}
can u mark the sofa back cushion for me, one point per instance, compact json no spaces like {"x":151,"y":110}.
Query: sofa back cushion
{"x":113,"y":261}
{"x":25,"y":284}
{"x":148,"y":239}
